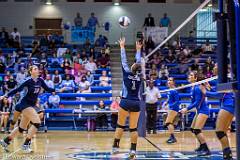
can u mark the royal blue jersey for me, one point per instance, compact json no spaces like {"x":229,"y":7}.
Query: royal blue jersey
{"x":32,"y":88}
{"x":226,"y":99}
{"x":198,"y":101}
{"x":173,"y":100}
{"x":131,"y":82}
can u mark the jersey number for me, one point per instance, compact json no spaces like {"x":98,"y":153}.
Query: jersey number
{"x":133,"y":85}
{"x":36,"y":90}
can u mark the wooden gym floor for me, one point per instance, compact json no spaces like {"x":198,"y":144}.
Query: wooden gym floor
{"x":63,"y":145}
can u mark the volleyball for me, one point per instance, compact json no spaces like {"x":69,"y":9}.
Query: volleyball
{"x":124,"y":22}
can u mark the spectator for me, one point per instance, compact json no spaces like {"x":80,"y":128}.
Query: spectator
{"x":16,"y":35}
{"x":152,"y":96}
{"x":21,"y":75}
{"x":68,"y":85}
{"x":153,"y":72}
{"x":209,"y":63}
{"x":115,"y":107}
{"x":49,"y":81}
{"x":77,"y":58}
{"x":182,"y":67}
{"x":155,"y":60}
{"x":68,"y":55}
{"x":66,"y":64}
{"x":103,"y":62}
{"x":90,"y":77}
{"x":101,"y":119}
{"x":101,"y":41}
{"x":84,"y":85}
{"x":93,"y":21}
{"x":5,"y":110}
{"x":4,"y":35}
{"x":149,"y":21}
{"x":78,"y":21}
{"x":195,"y":65}
{"x":56,"y":78}
{"x":91,"y":65}
{"x":150,"y":45}
{"x":61,"y":51}
{"x":53,"y":100}
{"x":104,"y":79}
{"x":163,"y":72}
{"x":10,"y":84}
{"x":207,"y":47}
{"x":170,"y":58}
{"x":165,"y":21}
{"x":2,"y":67}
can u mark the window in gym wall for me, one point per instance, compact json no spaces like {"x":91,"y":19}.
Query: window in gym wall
{"x":206,"y":25}
{"x":156,"y":1}
{"x":75,"y":0}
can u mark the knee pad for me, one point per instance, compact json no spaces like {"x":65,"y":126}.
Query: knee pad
{"x":220,"y":134}
{"x":191,"y":129}
{"x":197,"y":131}
{"x":37,"y":125}
{"x":167,"y":124}
{"x":21,"y":130}
{"x":13,"y":122}
{"x":132,"y":129}
{"x":120,"y":126}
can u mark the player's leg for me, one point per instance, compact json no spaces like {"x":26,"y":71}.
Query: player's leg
{"x":169,"y":124}
{"x":14,"y":120}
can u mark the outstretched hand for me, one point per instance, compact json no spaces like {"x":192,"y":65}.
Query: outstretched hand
{"x":121,"y":42}
{"x":138,"y":46}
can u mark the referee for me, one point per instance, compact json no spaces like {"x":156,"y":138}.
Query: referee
{"x":152,"y":96}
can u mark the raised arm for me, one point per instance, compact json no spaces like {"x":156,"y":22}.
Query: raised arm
{"x":124,"y":62}
{"x":45,"y":87}
{"x":17,"y":89}
{"x":138,"y":50}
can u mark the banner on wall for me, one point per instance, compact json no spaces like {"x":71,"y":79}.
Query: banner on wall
{"x":158,"y":34}
{"x":80,"y":35}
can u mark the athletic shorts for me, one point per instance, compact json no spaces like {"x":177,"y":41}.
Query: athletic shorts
{"x":130,"y":105}
{"x":21,"y":106}
{"x":176,"y":109}
{"x":38,"y":109}
{"x":206,"y":112}
{"x":229,"y":109}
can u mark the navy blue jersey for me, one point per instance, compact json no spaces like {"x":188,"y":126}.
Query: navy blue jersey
{"x":32,"y":88}
{"x":198,"y":101}
{"x":131,"y":82}
{"x":173,"y":100}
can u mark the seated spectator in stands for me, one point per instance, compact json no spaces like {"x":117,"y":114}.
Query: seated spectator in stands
{"x":115,"y":107}
{"x":93,"y":22}
{"x":91,"y":65}
{"x":10,"y":84}
{"x":68,"y":85}
{"x":2,"y":57}
{"x":149,"y":21}
{"x":15,"y":99}
{"x":66,"y":64}
{"x":4,"y":36}
{"x":2,"y":67}
{"x":68,"y":55}
{"x":5,"y":110}
{"x":208,"y":72}
{"x":49,"y":81}
{"x":207,"y":47}
{"x":16,"y":35}
{"x":43,"y":59}
{"x":149,"y":45}
{"x":44,"y":73}
{"x":77,"y":58}
{"x":57,"y":78}
{"x":170,"y":58}
{"x":101,"y":119}
{"x":21,"y":75}
{"x":90,"y":77}
{"x":53,"y":100}
{"x":77,"y":66}
{"x":104,"y":79}
{"x":153,"y":72}
{"x":165,"y":21}
{"x":100,"y":41}
{"x":183,"y":67}
{"x":155,"y":60}
{"x":7,"y":76}
{"x":92,"y":53}
{"x":61,"y":51}
{"x":85,"y":59}
{"x":10,"y":60}
{"x":84,"y":85}
{"x":163,"y":72}
{"x":209,"y":63}
{"x":195,"y":65}
{"x":69,"y":73}
{"x":103,"y":62}
{"x":78,"y":20}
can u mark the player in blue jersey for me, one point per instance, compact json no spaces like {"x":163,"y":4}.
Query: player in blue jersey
{"x":173,"y":106}
{"x":130,"y":102}
{"x":32,"y":86}
{"x":202,"y":113}
{"x":224,"y":119}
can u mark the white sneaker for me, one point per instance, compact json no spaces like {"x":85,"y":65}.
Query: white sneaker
{"x":132,"y":154}
{"x":115,"y":150}
{"x":27,"y":148}
{"x":4,"y":145}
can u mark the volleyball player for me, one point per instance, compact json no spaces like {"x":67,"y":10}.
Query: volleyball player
{"x":173,"y":105}
{"x":130,"y":102}
{"x":25,"y":106}
{"x":202,"y":113}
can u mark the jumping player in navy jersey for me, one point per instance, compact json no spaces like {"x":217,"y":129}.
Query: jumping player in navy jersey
{"x":173,"y":105}
{"x":130,"y":102}
{"x":32,"y":86}
{"x":202,"y":113}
